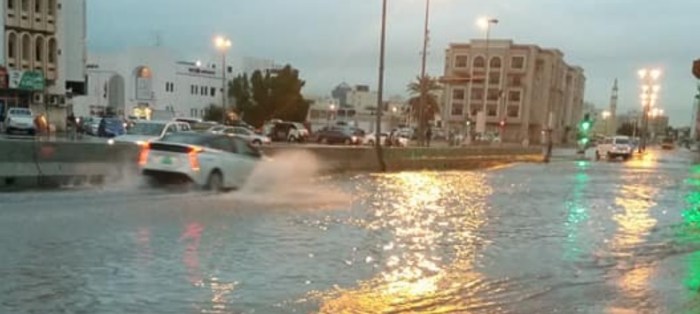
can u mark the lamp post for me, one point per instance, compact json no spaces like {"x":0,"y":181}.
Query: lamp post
{"x":223,"y":44}
{"x":380,"y":89}
{"x":423,"y":78}
{"x":648,"y":97}
{"x":485,"y":24}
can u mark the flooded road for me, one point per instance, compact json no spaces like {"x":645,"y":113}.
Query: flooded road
{"x":568,"y":237}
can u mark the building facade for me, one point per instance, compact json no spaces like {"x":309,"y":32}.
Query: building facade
{"x":151,"y":83}
{"x":521,"y":89}
{"x":43,"y":56}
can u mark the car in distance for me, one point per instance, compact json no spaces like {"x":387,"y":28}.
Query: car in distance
{"x":336,"y":136}
{"x":288,"y":131}
{"x":144,"y":131}
{"x":614,"y":147}
{"x":667,"y":144}
{"x":19,"y":120}
{"x":246,"y":134}
{"x":213,"y":161}
{"x":111,"y":127}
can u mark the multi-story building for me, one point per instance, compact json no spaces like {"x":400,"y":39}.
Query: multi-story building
{"x":526,"y":87}
{"x":151,"y":83}
{"x":43,"y":56}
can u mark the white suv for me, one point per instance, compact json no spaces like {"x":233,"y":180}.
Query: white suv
{"x":19,"y":120}
{"x":614,"y":147}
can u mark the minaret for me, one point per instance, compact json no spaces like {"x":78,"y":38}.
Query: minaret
{"x":612,"y":129}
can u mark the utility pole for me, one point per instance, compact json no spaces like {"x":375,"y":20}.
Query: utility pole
{"x":380,"y":92}
{"x":423,"y":78}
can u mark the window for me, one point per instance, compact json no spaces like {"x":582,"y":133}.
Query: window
{"x":513,"y":111}
{"x":461,"y":61}
{"x":53,"y":52}
{"x":517,"y":62}
{"x":12,"y":46}
{"x":479,"y":62}
{"x":39,"y":49}
{"x":492,"y":111}
{"x":516,"y":81}
{"x":457,"y":109}
{"x":494,"y":78}
{"x":171,"y":129}
{"x":212,"y":91}
{"x":51,"y":7}
{"x":475,"y":109}
{"x":514,"y":96}
{"x":223,"y":144}
{"x":494,"y":94}
{"x":458,"y":94}
{"x":38,"y":5}
{"x":202,"y":112}
{"x":477,"y":94}
{"x":25,"y":5}
{"x":26,"y":47}
{"x":495,"y":63}
{"x":10,"y":4}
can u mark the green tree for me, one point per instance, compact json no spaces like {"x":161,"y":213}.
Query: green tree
{"x":270,"y":95}
{"x":432,"y":104}
{"x":214,"y":113}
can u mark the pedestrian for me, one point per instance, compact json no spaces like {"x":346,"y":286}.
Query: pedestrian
{"x":428,"y":136}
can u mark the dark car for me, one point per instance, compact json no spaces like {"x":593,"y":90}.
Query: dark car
{"x":111,"y":127}
{"x":336,"y":136}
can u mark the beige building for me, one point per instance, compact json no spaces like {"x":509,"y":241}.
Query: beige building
{"x":42,"y":64}
{"x":525,"y":83}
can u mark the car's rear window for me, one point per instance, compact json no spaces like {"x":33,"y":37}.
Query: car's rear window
{"x":20,"y":112}
{"x":622,"y":141}
{"x":185,"y":138}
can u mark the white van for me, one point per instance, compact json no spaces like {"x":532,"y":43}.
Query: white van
{"x":614,"y":147}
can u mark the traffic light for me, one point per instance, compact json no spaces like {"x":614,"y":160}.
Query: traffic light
{"x":503,"y":123}
{"x":586,"y":123}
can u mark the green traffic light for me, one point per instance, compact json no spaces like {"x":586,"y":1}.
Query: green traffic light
{"x":586,"y":126}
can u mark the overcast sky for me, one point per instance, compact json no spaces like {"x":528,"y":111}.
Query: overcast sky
{"x":332,"y":41}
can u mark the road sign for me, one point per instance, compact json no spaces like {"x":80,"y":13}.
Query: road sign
{"x":26,"y":80}
{"x":696,"y":68}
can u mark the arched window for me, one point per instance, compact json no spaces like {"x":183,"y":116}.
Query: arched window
{"x":479,"y":62}
{"x":12,"y":45}
{"x":39,"y":49}
{"x":10,"y":4}
{"x":495,"y":63}
{"x":52,"y":50}
{"x":50,"y":7}
{"x":38,"y":6}
{"x":25,"y":5}
{"x":26,"y":47}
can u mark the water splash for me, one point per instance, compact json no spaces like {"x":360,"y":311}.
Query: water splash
{"x":291,"y":179}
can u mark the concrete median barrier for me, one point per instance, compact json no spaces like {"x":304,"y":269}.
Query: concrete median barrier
{"x":28,"y":163}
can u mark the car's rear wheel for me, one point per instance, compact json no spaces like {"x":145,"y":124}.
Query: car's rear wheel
{"x":215,"y":182}
{"x":257,"y":143}
{"x":348,"y":141}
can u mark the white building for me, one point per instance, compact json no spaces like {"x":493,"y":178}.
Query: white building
{"x":43,"y":56}
{"x":151,"y":83}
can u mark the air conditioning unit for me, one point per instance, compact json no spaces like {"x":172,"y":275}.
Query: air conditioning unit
{"x":38,"y":98}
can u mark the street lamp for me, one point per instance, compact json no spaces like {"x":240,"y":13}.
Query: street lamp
{"x":648,"y":97}
{"x":485,"y":24}
{"x":223,"y":44}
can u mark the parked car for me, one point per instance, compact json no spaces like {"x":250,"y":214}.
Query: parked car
{"x":213,"y":161}
{"x":204,"y":126}
{"x":667,"y":143}
{"x":19,"y":120}
{"x":89,"y":125}
{"x":614,"y":147}
{"x":111,"y":127}
{"x":246,"y":134}
{"x":288,"y":131}
{"x":336,"y":136}
{"x":371,"y":139}
{"x":145,"y":131}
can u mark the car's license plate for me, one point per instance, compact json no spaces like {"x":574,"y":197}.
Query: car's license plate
{"x":166,"y":160}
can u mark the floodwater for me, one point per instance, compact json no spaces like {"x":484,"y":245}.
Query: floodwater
{"x":567,"y":237}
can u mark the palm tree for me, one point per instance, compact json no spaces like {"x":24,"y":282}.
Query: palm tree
{"x":432,"y":105}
